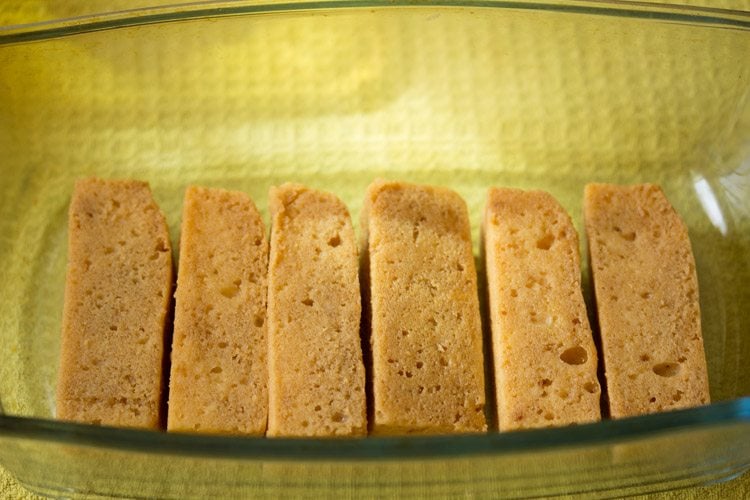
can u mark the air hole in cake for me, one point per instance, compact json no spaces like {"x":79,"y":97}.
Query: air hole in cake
{"x":590,"y":387}
{"x":645,"y":357}
{"x":419,"y":365}
{"x":338,"y":417}
{"x":513,"y":292}
{"x":258,"y":321}
{"x":574,"y":356}
{"x":682,"y":359}
{"x":677,"y":396}
{"x":545,"y":382}
{"x":667,"y":369}
{"x":549,"y":416}
{"x":645,"y":295}
{"x":443,"y":362}
{"x":652,"y":400}
{"x":432,"y":322}
{"x":408,"y":374}
{"x":404,"y":333}
{"x":308,"y":302}
{"x":459,"y":266}
{"x":216,"y":369}
{"x":545,"y":242}
{"x":108,"y":250}
{"x":334,"y":241}
{"x":317,"y":408}
{"x":563,"y":394}
{"x":576,"y":321}
{"x":229,"y":291}
{"x":222,"y":345}
{"x":113,"y":328}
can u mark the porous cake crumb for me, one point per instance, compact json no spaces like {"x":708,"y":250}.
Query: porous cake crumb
{"x":426,"y":339}
{"x":316,"y":374}
{"x":543,"y":352}
{"x":117,"y":292}
{"x":219,"y":381}
{"x":647,"y":300}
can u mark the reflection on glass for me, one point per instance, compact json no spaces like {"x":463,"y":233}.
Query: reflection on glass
{"x":710,"y":204}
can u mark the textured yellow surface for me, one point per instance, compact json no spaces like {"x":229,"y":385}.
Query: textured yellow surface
{"x":735,"y":489}
{"x":464,"y":98}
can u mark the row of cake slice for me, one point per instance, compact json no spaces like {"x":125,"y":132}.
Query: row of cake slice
{"x":267,"y":334}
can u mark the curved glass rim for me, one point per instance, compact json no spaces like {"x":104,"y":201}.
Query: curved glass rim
{"x":495,"y":443}
{"x":708,"y":16}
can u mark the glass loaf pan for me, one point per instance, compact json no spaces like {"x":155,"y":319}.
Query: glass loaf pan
{"x":244,"y":95}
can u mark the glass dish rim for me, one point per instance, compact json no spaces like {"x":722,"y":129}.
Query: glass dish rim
{"x":494,"y":443}
{"x":56,"y":28}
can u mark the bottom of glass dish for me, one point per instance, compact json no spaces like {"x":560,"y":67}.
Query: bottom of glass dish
{"x":639,"y":455}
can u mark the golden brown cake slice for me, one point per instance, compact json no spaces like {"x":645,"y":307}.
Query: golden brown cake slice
{"x":543,"y":351}
{"x":426,"y":339}
{"x":117,"y":293}
{"x":219,"y":381}
{"x":316,"y":374}
{"x":647,"y":300}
